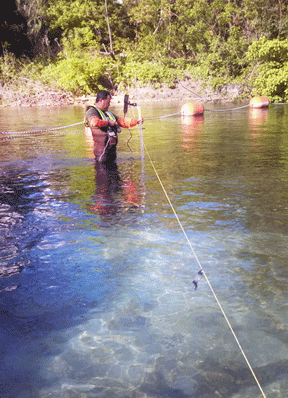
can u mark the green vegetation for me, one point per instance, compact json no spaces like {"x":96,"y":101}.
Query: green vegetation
{"x":270,"y":57}
{"x":84,"y":45}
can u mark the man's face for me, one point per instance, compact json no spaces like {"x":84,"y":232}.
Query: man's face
{"x":105,"y":103}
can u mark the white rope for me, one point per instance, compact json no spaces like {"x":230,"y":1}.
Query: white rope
{"x":209,"y":284}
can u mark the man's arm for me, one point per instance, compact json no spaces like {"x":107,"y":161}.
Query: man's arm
{"x":94,"y":119}
{"x":126,"y":123}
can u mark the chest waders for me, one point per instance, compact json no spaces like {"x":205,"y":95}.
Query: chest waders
{"x":108,"y":150}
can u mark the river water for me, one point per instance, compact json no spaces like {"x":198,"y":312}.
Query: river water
{"x":96,"y":289}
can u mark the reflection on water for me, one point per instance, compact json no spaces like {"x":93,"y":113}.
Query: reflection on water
{"x":191,"y":128}
{"x":96,"y":279}
{"x":114,"y":194}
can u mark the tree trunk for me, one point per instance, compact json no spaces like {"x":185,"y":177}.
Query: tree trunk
{"x":109,"y":31}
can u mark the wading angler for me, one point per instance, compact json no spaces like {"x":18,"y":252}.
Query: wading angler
{"x":105,"y":127}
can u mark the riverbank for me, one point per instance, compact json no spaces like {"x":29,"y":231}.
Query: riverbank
{"x":188,"y":90}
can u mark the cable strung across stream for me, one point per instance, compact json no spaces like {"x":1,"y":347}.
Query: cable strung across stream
{"x":40,"y":130}
{"x":12,"y":133}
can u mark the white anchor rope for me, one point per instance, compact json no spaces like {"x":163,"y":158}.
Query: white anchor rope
{"x":201,"y":268}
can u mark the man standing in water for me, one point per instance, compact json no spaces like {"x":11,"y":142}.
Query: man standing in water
{"x":105,"y":127}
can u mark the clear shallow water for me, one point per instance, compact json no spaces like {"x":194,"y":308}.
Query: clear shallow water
{"x":96,"y":276}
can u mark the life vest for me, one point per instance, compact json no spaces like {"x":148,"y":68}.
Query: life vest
{"x":104,"y":115}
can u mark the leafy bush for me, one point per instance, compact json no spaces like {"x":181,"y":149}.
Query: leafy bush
{"x":270,"y":60}
{"x":9,"y":66}
{"x":78,"y":73}
{"x":155,"y":73}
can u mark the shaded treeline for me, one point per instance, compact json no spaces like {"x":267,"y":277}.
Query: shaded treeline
{"x":81,"y":45}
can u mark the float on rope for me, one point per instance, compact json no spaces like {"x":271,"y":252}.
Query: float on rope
{"x":259,"y":102}
{"x":192,"y":109}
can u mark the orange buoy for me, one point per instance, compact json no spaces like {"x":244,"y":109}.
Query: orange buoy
{"x":192,"y":109}
{"x":259,"y":102}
